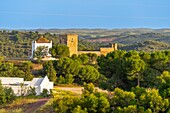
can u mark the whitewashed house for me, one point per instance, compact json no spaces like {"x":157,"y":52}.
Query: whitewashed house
{"x":41,"y":42}
{"x":38,"y":83}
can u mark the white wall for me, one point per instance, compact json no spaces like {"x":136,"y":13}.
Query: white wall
{"x":38,"y":83}
{"x":46,"y":84}
{"x":35,"y":45}
{"x":8,"y":80}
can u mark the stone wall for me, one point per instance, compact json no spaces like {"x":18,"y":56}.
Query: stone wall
{"x":71,"y":40}
{"x":105,"y":51}
{"x":86,"y":52}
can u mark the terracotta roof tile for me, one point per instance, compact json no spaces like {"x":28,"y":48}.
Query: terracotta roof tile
{"x":42,"y":40}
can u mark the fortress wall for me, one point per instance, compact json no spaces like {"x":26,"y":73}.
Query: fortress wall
{"x":105,"y":51}
{"x":86,"y":52}
{"x":71,"y":40}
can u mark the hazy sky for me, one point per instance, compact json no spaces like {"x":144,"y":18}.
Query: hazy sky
{"x":29,"y":14}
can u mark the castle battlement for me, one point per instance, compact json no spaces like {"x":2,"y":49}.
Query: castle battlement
{"x":71,"y":40}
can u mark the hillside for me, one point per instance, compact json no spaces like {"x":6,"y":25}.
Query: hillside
{"x":17,"y":44}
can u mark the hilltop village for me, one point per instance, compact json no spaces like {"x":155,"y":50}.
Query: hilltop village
{"x":61,"y":78}
{"x":71,"y":40}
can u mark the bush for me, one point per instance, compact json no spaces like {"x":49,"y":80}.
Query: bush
{"x":31,"y":91}
{"x":45,"y":93}
{"x":6,"y":94}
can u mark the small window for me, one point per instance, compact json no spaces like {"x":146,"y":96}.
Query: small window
{"x":72,"y":40}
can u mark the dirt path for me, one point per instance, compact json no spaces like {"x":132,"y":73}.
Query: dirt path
{"x":32,"y":108}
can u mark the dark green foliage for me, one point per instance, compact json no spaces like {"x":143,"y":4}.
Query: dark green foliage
{"x":83,"y":58}
{"x":133,"y":66}
{"x":45,"y":93}
{"x":67,"y":66}
{"x":68,"y":79}
{"x":128,"y":69}
{"x":111,"y":67}
{"x":31,"y":91}
{"x":6,"y":94}
{"x":50,"y":71}
{"x":61,"y":80}
{"x":88,"y":74}
{"x":60,"y":51}
{"x":67,"y":69}
{"x":27,"y":71}
{"x":8,"y":69}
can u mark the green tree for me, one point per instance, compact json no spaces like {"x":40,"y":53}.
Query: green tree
{"x":50,"y":71}
{"x":60,"y":51}
{"x":133,"y":66}
{"x":65,"y":104}
{"x":159,"y":61}
{"x":69,"y":79}
{"x":88,"y":74}
{"x":2,"y":94}
{"x":122,"y":98}
{"x":1,"y":58}
{"x":31,"y":91}
{"x":6,"y":69}
{"x":83,"y":58}
{"x":40,"y":52}
{"x":27,"y":71}
{"x":111,"y":66}
{"x":6,"y":94}
{"x":152,"y":100}
{"x":78,"y":109}
{"x":18,"y":38}
{"x":67,"y":66}
{"x":164,"y":84}
{"x":93,"y":101}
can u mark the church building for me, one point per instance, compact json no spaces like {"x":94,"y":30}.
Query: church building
{"x":41,"y":42}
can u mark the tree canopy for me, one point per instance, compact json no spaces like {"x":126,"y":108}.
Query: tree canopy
{"x":60,"y":51}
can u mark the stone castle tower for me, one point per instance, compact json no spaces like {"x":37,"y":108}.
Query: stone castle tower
{"x":71,"y":40}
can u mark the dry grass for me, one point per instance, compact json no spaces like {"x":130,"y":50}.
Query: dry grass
{"x":17,"y":106}
{"x":78,"y":89}
{"x":21,"y":101}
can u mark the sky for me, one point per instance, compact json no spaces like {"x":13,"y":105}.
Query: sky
{"x":65,"y":14}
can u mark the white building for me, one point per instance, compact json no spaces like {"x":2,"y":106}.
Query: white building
{"x":41,"y":42}
{"x":38,"y":83}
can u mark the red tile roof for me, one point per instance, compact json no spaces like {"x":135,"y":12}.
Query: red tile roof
{"x":42,"y":40}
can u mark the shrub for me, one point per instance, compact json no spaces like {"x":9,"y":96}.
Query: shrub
{"x":45,"y":93}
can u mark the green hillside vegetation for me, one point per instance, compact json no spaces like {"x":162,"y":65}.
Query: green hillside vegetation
{"x":136,"y":81}
{"x":17,"y":44}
